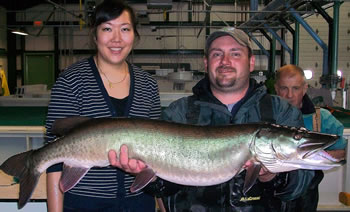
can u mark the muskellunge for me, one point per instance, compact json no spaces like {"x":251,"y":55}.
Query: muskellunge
{"x":183,"y":154}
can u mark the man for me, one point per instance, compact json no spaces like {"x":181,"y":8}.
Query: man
{"x":227,"y":95}
{"x":291,"y":85}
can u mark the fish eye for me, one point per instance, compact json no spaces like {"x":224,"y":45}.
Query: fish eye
{"x":298,"y":137}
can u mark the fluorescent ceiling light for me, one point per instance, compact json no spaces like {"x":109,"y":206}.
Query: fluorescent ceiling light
{"x":19,"y":32}
{"x":308,"y":74}
{"x":339,"y":73}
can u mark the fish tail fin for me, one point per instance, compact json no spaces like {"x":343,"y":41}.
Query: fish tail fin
{"x":21,"y":166}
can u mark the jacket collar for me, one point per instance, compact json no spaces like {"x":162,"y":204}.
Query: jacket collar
{"x":203,"y":92}
{"x":307,"y":106}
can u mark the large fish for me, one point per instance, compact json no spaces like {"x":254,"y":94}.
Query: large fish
{"x":183,"y":154}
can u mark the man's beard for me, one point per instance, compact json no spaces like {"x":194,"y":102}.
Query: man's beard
{"x":222,"y":81}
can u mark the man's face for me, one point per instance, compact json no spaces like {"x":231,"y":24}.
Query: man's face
{"x":228,"y":65}
{"x":292,"y":88}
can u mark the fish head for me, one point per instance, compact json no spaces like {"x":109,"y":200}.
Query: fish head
{"x":282,"y":148}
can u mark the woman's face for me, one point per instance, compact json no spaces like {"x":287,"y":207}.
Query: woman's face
{"x":115,"y":39}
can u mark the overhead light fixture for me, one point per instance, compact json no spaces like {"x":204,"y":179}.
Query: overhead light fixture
{"x":160,"y":4}
{"x":308,"y":74}
{"x":19,"y":32}
{"x":339,"y":73}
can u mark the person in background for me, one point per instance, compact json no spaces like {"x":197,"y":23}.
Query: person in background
{"x":104,"y":85}
{"x":291,"y":85}
{"x":225,"y":96}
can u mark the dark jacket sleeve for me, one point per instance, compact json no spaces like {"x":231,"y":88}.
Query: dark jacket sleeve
{"x":293,"y":184}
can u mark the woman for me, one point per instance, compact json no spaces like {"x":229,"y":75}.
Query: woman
{"x":104,"y":85}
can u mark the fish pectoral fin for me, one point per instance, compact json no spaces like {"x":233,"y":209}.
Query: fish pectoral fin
{"x":250,"y":177}
{"x":142,"y":179}
{"x":71,"y":176}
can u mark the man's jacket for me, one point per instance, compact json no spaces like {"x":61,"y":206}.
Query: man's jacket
{"x":329,"y":124}
{"x":204,"y":109}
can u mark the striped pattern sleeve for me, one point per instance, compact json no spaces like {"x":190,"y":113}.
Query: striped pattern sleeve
{"x":75,"y":93}
{"x":146,"y":100}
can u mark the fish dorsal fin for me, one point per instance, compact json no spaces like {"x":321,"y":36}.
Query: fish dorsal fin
{"x":62,"y":126}
{"x":250,"y":177}
{"x":142,"y":179}
{"x":71,"y":176}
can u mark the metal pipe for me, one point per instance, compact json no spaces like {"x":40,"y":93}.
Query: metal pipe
{"x":287,"y":25}
{"x":315,"y":37}
{"x":48,"y":18}
{"x":334,"y":50}
{"x":296,"y":36}
{"x":273,"y":8}
{"x":59,"y":6}
{"x":190,"y":8}
{"x":253,"y":6}
{"x":282,"y":42}
{"x":273,"y":55}
{"x":259,"y":45}
{"x":331,"y":78}
{"x":206,"y":21}
{"x":271,"y":60}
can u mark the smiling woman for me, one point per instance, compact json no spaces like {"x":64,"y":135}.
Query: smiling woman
{"x":104,"y":85}
{"x":114,"y":38}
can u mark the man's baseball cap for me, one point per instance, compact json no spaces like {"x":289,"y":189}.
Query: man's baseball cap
{"x":239,"y":35}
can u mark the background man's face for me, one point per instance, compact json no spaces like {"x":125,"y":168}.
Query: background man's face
{"x":292,"y":88}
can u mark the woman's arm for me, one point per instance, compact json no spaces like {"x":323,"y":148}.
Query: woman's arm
{"x":63,"y":103}
{"x":54,"y":194}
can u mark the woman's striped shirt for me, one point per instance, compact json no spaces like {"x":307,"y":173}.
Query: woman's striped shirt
{"x":79,"y":91}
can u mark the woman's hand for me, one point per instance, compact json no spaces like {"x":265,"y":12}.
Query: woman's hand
{"x":124,"y":162}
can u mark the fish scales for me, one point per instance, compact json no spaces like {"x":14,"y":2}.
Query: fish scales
{"x":165,"y":149}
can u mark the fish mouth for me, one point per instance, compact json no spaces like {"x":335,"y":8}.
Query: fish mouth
{"x":311,"y":147}
{"x":315,"y":155}
{"x":318,"y":160}
{"x":324,"y":155}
